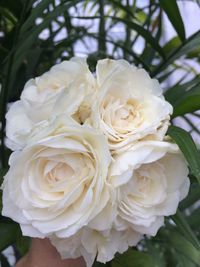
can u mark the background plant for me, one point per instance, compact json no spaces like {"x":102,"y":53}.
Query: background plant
{"x":37,"y":34}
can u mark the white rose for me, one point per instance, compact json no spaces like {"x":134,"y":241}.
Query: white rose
{"x":129,"y":104}
{"x":60,"y":90}
{"x":98,"y":245}
{"x":151,"y":179}
{"x":58,"y":182}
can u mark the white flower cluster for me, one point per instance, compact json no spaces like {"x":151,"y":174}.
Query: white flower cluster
{"x":91,"y":168}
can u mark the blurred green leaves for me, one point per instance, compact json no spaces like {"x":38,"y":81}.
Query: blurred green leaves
{"x":24,"y":53}
{"x":183,"y":246}
{"x":185,"y":228}
{"x":173,"y":13}
{"x":8,"y":233}
{"x":188,"y":147}
{"x":134,"y":258}
{"x":185,"y":49}
{"x":3,"y":260}
{"x":185,"y":97}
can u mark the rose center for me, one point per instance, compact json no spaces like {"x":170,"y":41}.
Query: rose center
{"x":60,"y":172}
{"x":148,"y":185}
{"x":143,"y":183}
{"x":122,"y":116}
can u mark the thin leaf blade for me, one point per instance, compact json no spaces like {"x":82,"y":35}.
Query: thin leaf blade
{"x":188,"y":147}
{"x":173,"y":13}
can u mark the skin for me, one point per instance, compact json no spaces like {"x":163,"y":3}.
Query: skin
{"x":43,"y":254}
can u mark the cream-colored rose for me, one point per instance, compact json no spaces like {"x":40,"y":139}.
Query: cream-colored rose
{"x":129,"y":104}
{"x":58,"y":182}
{"x":60,"y":90}
{"x":99,"y":245}
{"x":98,"y":239}
{"x":151,"y":179}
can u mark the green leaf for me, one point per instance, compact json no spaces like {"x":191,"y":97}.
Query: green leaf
{"x":185,"y":98}
{"x":171,"y":45}
{"x":15,"y":7}
{"x":188,"y":147}
{"x":189,"y":101}
{"x":2,"y":173}
{"x":29,"y":39}
{"x":183,"y":246}
{"x":144,"y":33}
{"x":35,"y":13}
{"x":8,"y":234}
{"x":7,"y":14}
{"x":3,"y":261}
{"x":136,"y":27}
{"x":173,"y":13}
{"x":188,"y":46}
{"x":98,"y":264}
{"x":184,"y":261}
{"x":23,"y":243}
{"x":156,"y":253}
{"x":165,"y":76}
{"x":184,"y":227}
{"x":193,"y":196}
{"x":115,"y":264}
{"x":194,"y":219}
{"x":120,"y":6}
{"x":134,"y":258}
{"x":188,"y":105}
{"x":129,"y":51}
{"x":175,"y":94}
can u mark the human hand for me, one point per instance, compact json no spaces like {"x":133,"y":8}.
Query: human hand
{"x":43,"y":254}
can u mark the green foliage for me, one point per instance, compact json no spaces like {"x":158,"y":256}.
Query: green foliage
{"x":135,"y":258}
{"x":8,"y":232}
{"x":185,"y":228}
{"x":24,"y":54}
{"x":188,"y":147}
{"x":4,"y":261}
{"x":183,"y":246}
{"x":173,"y":13}
{"x":185,"y":97}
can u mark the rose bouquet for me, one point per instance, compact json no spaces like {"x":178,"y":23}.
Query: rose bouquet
{"x":92,"y":167}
